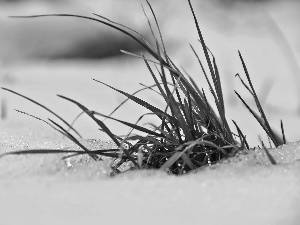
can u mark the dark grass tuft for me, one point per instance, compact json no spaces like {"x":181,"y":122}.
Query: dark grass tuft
{"x":190,"y":133}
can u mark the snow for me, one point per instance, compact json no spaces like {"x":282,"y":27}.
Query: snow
{"x":247,"y":190}
{"x":45,"y":190}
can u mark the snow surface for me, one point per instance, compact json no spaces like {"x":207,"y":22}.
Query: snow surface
{"x":45,"y":190}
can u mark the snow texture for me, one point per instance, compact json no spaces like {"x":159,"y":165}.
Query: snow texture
{"x":46,"y":190}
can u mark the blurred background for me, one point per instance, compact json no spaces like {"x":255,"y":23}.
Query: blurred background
{"x":42,"y":57}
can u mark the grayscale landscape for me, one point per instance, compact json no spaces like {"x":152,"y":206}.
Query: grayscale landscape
{"x":45,"y":56}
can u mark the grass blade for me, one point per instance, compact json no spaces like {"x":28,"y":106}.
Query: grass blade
{"x":159,"y":31}
{"x":271,"y":158}
{"x":241,"y":136}
{"x":282,"y":131}
{"x":89,"y":113}
{"x":121,"y":25}
{"x":101,"y":124}
{"x":38,"y":151}
{"x":147,"y":48}
{"x":202,"y":40}
{"x":42,"y":106}
{"x":275,"y":138}
{"x":141,"y":102}
{"x":122,"y":103}
{"x":133,"y":126}
{"x":72,"y":138}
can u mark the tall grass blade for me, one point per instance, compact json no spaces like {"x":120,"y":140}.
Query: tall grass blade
{"x":255,"y":115}
{"x":202,"y":40}
{"x":275,"y":138}
{"x":159,"y":31}
{"x":282,"y":131}
{"x":156,"y":81}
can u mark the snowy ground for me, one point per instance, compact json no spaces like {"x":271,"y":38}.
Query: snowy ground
{"x":44,"y":190}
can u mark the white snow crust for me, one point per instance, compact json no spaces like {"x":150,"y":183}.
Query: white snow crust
{"x":45,"y":190}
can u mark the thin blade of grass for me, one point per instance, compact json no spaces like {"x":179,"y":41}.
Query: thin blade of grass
{"x":275,"y":138}
{"x":150,"y":88}
{"x":72,"y":138}
{"x":137,"y":121}
{"x":173,"y":104}
{"x":200,"y":141}
{"x":256,"y":116}
{"x":244,"y":84}
{"x":137,"y":56}
{"x":282,"y":131}
{"x":241,"y":136}
{"x":168,"y":135}
{"x":202,"y":40}
{"x":62,"y":131}
{"x":89,"y":113}
{"x":42,"y":106}
{"x":271,"y":158}
{"x":208,"y":82}
{"x":119,"y":24}
{"x":195,"y":86}
{"x":76,"y":118}
{"x":272,"y":134}
{"x":148,"y":49}
{"x":35,"y":117}
{"x":218,"y":87}
{"x":131,"y":125}
{"x":122,"y":103}
{"x":96,"y":152}
{"x":156,"y":81}
{"x":101,"y":124}
{"x":147,"y":139}
{"x":159,"y":31}
{"x":177,"y":73}
{"x":99,"y":152}
{"x":188,"y":116}
{"x":149,"y":23}
{"x":141,"y":102}
{"x":39,"y":151}
{"x":176,"y":83}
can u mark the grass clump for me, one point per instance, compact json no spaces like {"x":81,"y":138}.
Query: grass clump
{"x":191,"y":134}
